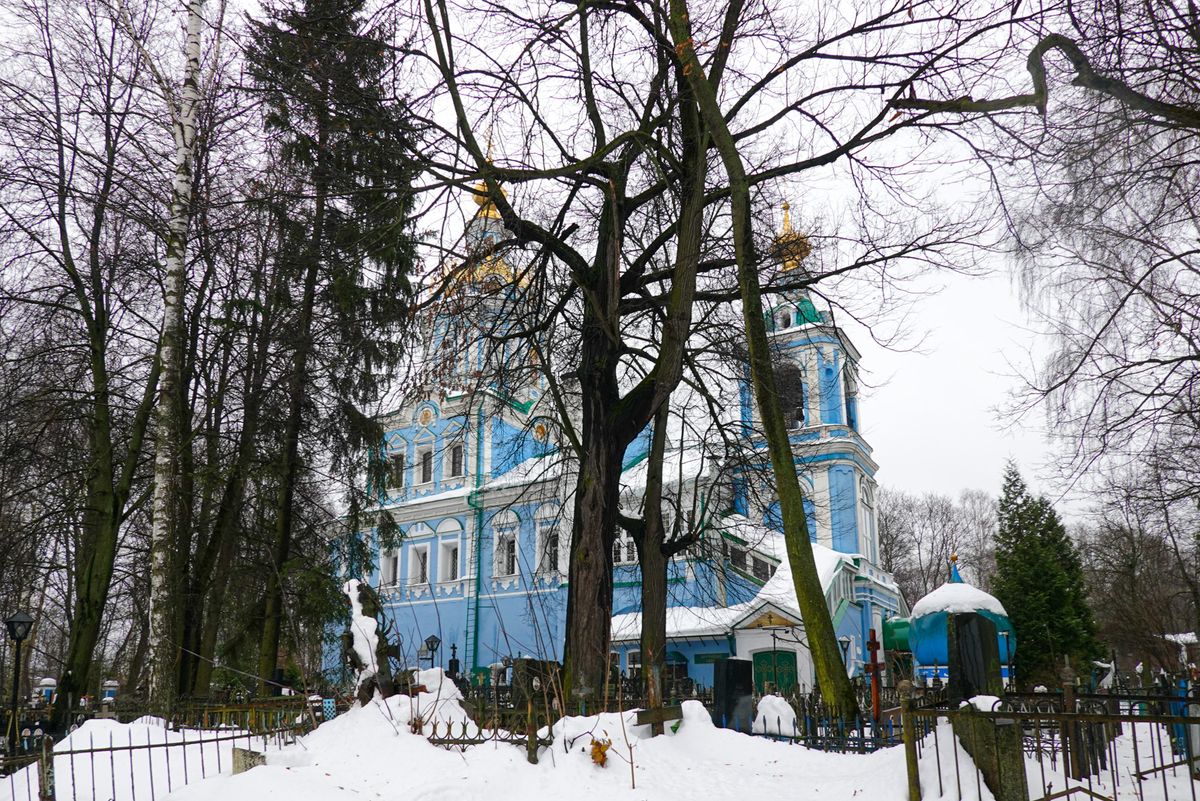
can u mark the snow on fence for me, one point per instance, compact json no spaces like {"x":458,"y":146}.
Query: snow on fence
{"x":108,"y":761}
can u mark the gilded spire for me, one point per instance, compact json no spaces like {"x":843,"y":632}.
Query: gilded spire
{"x":790,"y":247}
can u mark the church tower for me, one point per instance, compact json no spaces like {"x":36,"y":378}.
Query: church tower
{"x":816,"y":374}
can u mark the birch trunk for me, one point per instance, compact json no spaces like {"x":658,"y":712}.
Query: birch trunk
{"x":167,"y":492}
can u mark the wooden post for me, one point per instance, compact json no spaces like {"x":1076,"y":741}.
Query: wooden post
{"x":46,"y":770}
{"x":907,"y":725}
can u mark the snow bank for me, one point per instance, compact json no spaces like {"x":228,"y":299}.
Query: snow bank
{"x":775,"y":716}
{"x":956,"y":598}
{"x":371,"y":753}
{"x":128,"y":773}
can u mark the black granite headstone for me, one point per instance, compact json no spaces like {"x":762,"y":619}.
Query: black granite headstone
{"x":733,"y":693}
{"x":974,"y":655}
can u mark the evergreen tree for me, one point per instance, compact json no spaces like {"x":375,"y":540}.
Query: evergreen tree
{"x":1039,"y":579}
{"x":321,"y":71}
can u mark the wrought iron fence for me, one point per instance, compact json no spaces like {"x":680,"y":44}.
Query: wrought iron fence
{"x":120,"y":766}
{"x":1057,"y":747}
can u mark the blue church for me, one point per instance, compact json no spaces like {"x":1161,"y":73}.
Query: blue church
{"x":481,"y":494}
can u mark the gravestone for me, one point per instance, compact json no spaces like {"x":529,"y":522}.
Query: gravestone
{"x":245,"y":759}
{"x":974,"y":657}
{"x":733,"y":693}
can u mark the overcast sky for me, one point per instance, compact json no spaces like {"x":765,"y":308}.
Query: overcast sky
{"x":931,"y":416}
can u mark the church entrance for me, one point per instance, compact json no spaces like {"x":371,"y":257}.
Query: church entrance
{"x":775,"y":667}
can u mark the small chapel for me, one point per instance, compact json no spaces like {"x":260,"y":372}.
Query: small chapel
{"x":480,"y":492}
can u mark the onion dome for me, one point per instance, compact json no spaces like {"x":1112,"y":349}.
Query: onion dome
{"x":929,"y":615}
{"x":486,"y":207}
{"x":790,"y":247}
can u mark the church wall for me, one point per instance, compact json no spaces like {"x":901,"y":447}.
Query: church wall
{"x":842,"y":508}
{"x":830,"y":379}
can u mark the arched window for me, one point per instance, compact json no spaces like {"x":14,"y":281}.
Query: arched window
{"x":866,"y":519}
{"x":449,"y":533}
{"x":789,"y":383}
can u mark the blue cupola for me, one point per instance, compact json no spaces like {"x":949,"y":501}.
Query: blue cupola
{"x":927,"y":626}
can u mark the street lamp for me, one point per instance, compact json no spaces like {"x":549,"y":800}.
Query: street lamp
{"x":844,"y":641}
{"x":18,"y":629}
{"x":432,"y":642}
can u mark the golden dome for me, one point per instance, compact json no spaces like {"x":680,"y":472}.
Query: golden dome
{"x":790,"y":247}
{"x":486,"y":207}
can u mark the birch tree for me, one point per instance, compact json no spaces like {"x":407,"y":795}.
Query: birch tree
{"x":183,"y":105}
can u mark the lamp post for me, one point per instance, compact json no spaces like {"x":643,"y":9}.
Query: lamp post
{"x":18,"y":627}
{"x":432,"y":642}
{"x":844,"y":641}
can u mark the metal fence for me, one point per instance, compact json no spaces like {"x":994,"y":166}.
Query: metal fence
{"x":130,"y":764}
{"x":1107,"y":748}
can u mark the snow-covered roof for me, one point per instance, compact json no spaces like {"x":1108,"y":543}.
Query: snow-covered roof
{"x":689,"y":622}
{"x":683,"y":622}
{"x":678,"y":465}
{"x":543,"y":467}
{"x":956,"y":598}
{"x":756,"y":535}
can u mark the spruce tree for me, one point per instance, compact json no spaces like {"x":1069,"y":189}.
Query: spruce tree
{"x":1039,"y":579}
{"x":322,"y":71}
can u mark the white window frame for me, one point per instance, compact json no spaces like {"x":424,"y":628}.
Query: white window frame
{"x":423,"y":452}
{"x":506,"y":553}
{"x":866,"y":519}
{"x":546,"y":523}
{"x":396,"y":479}
{"x":448,"y":458}
{"x":418,"y":558}
{"x":389,"y":559}
{"x":624,"y":550}
{"x":549,"y":562}
{"x":449,"y":554}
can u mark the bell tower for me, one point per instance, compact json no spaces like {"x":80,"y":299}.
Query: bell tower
{"x":816,"y":375}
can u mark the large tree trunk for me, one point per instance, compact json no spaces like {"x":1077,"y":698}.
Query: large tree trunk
{"x":827,"y":659}
{"x":167,"y":462}
{"x":589,"y":593}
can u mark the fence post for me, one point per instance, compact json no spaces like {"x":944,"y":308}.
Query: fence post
{"x":1070,"y":734}
{"x":46,"y":771}
{"x":910,"y":741}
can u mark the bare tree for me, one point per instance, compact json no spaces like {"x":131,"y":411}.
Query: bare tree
{"x":620,"y":180}
{"x":920,"y":533}
{"x":1104,"y":227}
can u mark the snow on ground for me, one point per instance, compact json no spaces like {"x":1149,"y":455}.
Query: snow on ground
{"x":373,"y":752}
{"x":131,"y":773}
{"x":370,"y":753}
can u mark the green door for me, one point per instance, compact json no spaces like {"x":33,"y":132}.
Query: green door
{"x":775,"y":666}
